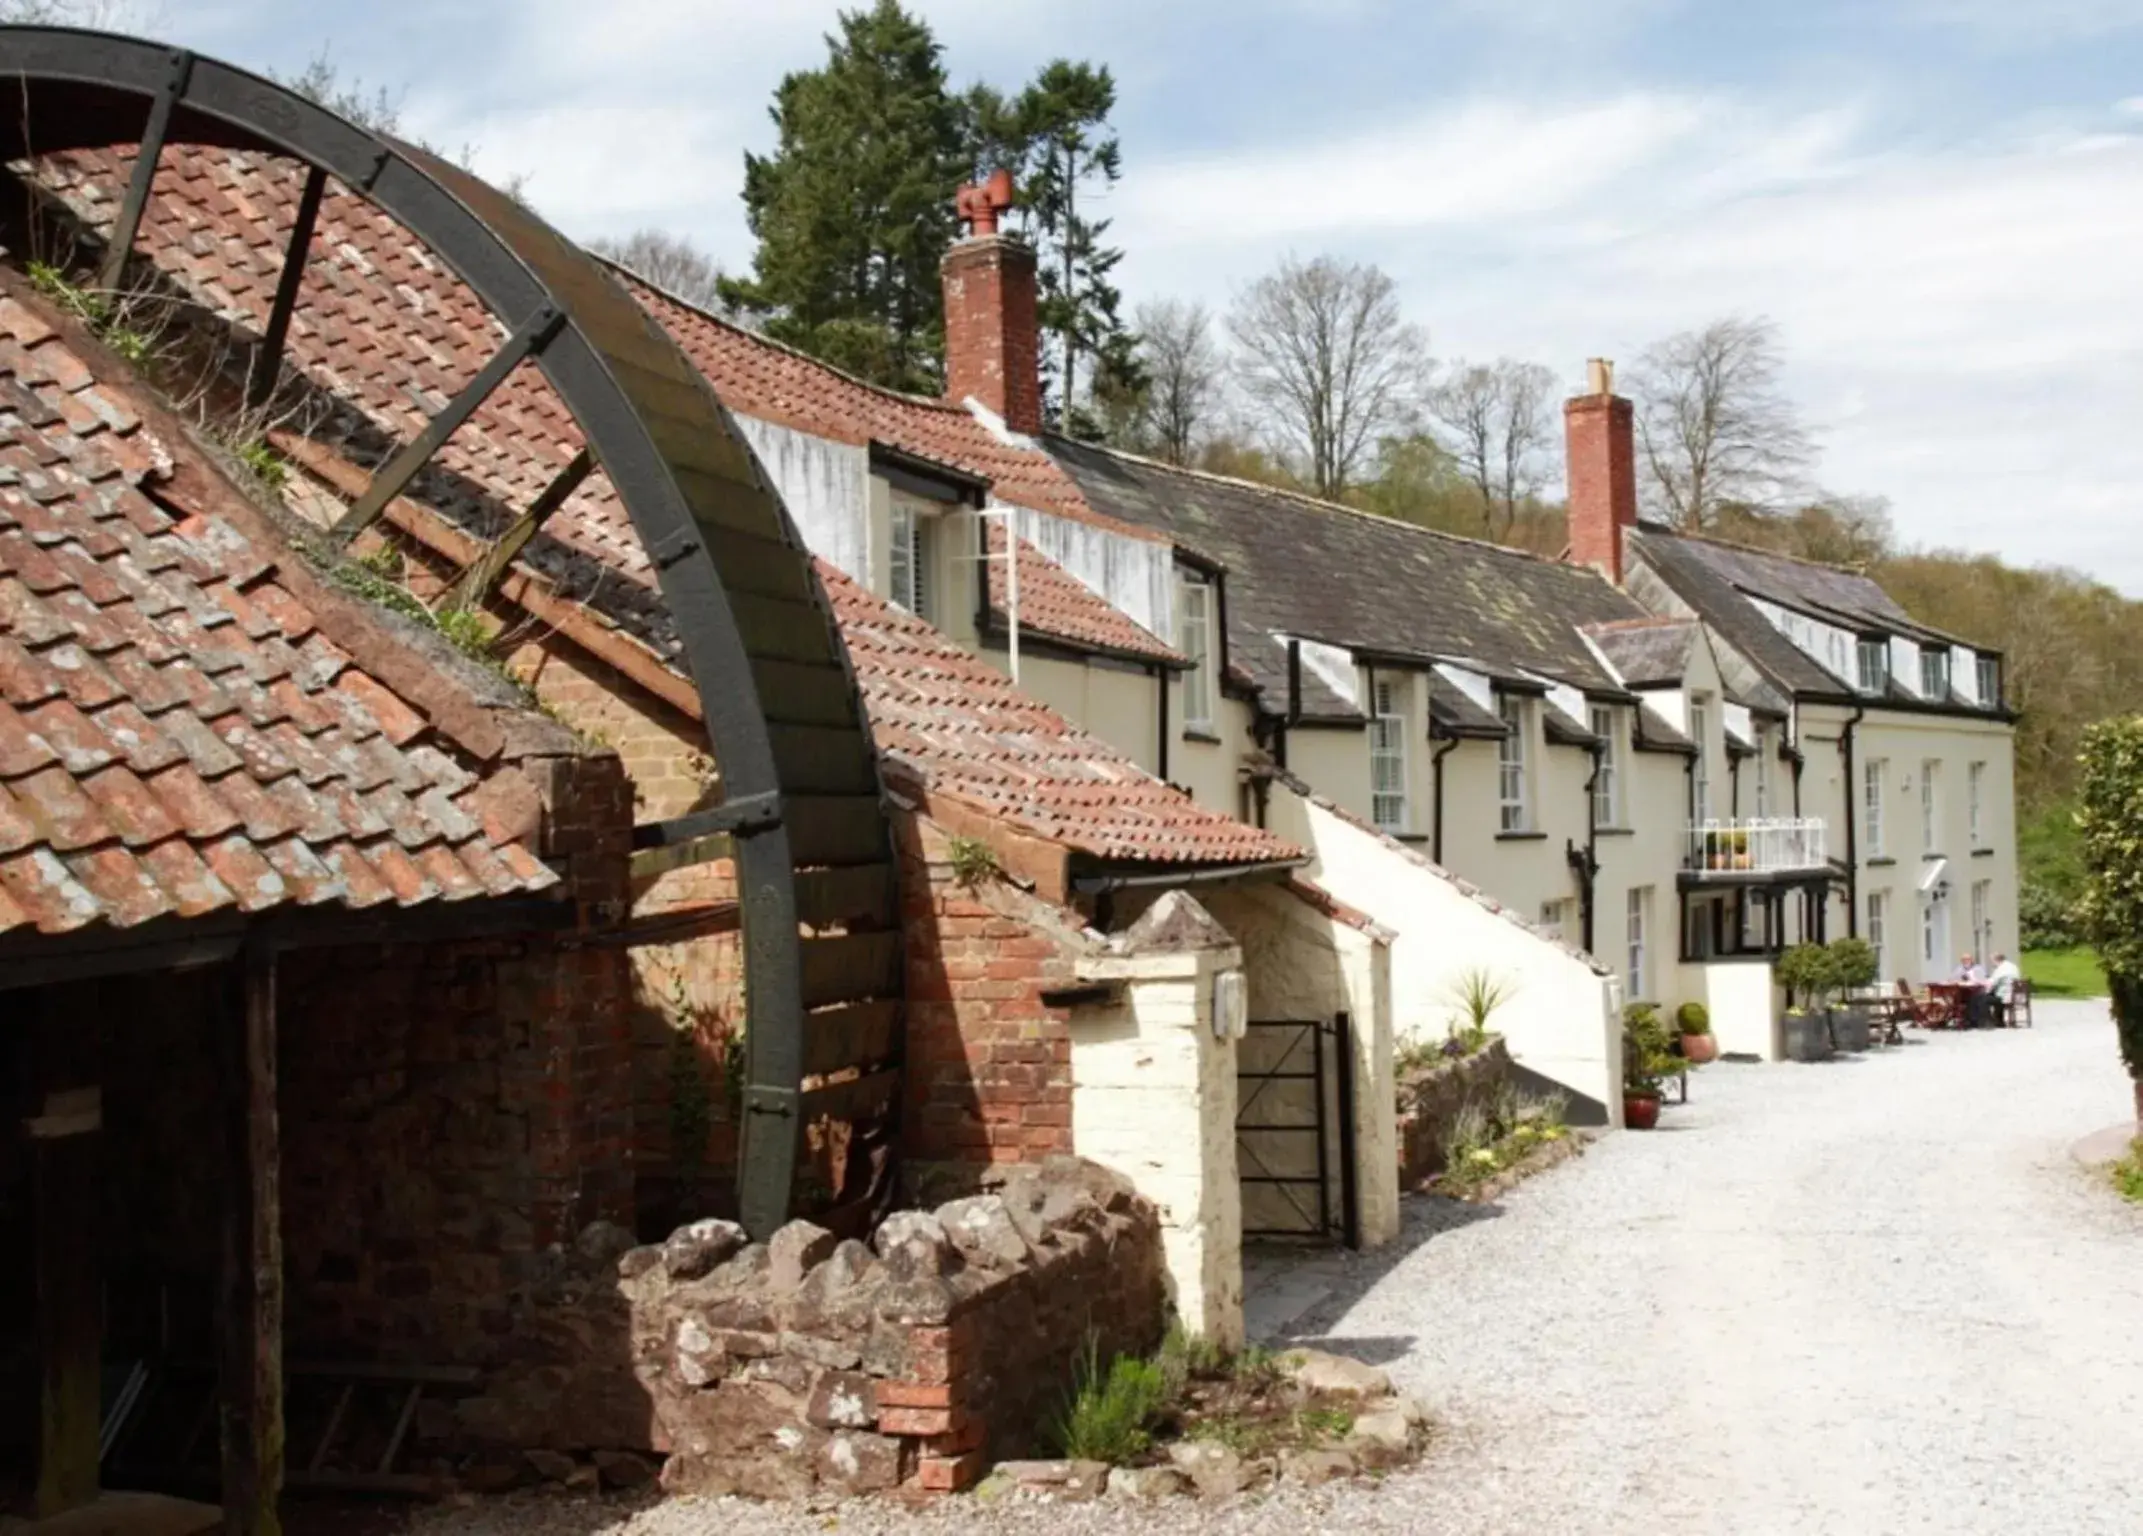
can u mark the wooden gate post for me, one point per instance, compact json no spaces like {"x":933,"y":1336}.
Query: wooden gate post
{"x":252,"y":1312}
{"x":63,"y":1130}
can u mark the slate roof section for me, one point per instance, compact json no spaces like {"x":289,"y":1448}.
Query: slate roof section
{"x":1055,"y":603}
{"x":1458,"y":715}
{"x":1716,"y":579}
{"x":1305,"y":567}
{"x":179,"y":736}
{"x":960,"y":725}
{"x":1649,"y":653}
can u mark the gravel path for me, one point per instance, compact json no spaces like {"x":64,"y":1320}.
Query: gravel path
{"x":1868,"y":1296}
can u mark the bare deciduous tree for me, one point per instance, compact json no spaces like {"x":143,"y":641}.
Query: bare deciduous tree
{"x":1175,"y":346}
{"x":671,"y":262}
{"x":1716,"y":429}
{"x":1325,"y":352}
{"x":1495,"y":424}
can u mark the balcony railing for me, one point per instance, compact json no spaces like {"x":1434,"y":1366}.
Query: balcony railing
{"x":1759,"y":845}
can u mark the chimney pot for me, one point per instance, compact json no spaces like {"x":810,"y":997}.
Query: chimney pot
{"x":992,"y":328}
{"x":1600,"y":434}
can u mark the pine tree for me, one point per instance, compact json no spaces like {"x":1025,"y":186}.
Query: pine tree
{"x":1061,"y":121}
{"x":854,"y":209}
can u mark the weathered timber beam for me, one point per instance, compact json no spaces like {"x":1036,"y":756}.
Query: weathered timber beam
{"x":252,"y":1313}
{"x":64,"y":1135}
{"x":470,"y":587}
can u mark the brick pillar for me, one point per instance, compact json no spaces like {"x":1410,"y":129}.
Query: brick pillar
{"x":992,"y":343}
{"x":1599,"y":430}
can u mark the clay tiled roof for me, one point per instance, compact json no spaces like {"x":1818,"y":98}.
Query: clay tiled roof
{"x":1055,"y":602}
{"x":961,"y":726}
{"x":178,"y":733}
{"x":385,"y":329}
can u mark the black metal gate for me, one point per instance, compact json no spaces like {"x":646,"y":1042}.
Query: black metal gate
{"x":1294,"y":1130}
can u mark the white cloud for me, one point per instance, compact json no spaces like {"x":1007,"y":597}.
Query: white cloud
{"x":1960,"y":322}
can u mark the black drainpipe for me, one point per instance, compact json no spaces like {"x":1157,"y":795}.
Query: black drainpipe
{"x":1852,"y":824}
{"x":1587,"y":864}
{"x":1294,"y":701}
{"x":1436,"y":764}
{"x":1160,"y":680}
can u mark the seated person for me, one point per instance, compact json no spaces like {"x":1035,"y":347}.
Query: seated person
{"x":2002,"y":983}
{"x":1973,"y":978}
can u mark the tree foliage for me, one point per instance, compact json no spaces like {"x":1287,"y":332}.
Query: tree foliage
{"x":1324,"y":352}
{"x":1061,"y":148}
{"x":2109,"y":825}
{"x":854,"y":208}
{"x":670,"y":262}
{"x":1493,"y":420}
{"x":1714,"y":428}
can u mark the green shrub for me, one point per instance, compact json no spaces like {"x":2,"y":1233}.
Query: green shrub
{"x":2109,"y":829}
{"x":2128,"y":1173}
{"x":1852,"y":963}
{"x":1648,"y":1057}
{"x":1807,"y":972}
{"x":1694,"y":1019}
{"x":2046,"y":917}
{"x":1111,"y":1412}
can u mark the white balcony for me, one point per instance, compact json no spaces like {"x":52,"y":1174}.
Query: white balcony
{"x":1766,"y":845}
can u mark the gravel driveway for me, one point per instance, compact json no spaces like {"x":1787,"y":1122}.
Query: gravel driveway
{"x":1872,"y":1296}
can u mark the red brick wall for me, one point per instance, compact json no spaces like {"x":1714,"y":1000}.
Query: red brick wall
{"x":450,"y":1110}
{"x":1602,"y":458}
{"x":992,"y":341}
{"x":989,"y":1064}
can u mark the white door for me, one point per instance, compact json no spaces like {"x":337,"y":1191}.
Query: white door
{"x":1936,"y":961}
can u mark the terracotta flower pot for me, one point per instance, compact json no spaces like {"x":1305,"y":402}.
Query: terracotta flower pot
{"x":1698,"y":1049}
{"x":1640,"y":1111}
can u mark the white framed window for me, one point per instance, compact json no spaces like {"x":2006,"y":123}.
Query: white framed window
{"x":1975,"y":789}
{"x":1762,"y":772}
{"x":1871,"y":817}
{"x":1637,"y":980}
{"x":1552,"y":917}
{"x":1194,"y":638}
{"x":1879,"y":931}
{"x":1700,"y":772}
{"x":1935,"y":674}
{"x":1607,"y":785}
{"x":1982,"y":920}
{"x":1874,"y":659}
{"x":1511,"y":764}
{"x":1930,"y":807}
{"x":1387,"y":754}
{"x":1990,"y":682}
{"x":909,"y":565}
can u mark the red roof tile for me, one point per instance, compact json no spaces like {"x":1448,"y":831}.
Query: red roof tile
{"x":163,"y":750}
{"x":1055,"y":602}
{"x":933,"y":706}
{"x":961,"y":725}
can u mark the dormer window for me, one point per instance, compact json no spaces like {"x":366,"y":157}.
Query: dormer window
{"x":1935,"y":675}
{"x":1990,"y":682}
{"x":1194,"y":638}
{"x":1874,"y":666}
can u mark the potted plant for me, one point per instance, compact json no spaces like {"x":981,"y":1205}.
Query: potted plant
{"x":1699,"y":1045}
{"x":1646,"y":1063}
{"x":1852,"y":967}
{"x":1740,"y":845}
{"x":1805,"y":972}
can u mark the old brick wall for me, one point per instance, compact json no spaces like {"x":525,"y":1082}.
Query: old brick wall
{"x":808,"y":1363}
{"x":450,"y":1110}
{"x":687,"y":999}
{"x":1432,"y":1098}
{"x":989,"y":1063}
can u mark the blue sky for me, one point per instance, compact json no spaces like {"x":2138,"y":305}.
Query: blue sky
{"x":1939,"y":201}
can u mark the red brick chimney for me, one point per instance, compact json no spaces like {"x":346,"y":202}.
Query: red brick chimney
{"x":1599,"y":434}
{"x":992,"y":339}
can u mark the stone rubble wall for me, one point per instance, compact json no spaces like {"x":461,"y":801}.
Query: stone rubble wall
{"x":1430,"y":1103}
{"x":812,"y":1363}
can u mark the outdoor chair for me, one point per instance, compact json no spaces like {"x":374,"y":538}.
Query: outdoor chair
{"x":2020,"y":1005}
{"x":1920,"y":1011}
